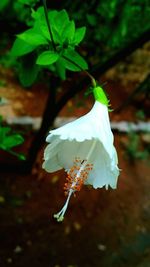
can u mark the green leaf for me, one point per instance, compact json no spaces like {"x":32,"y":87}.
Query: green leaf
{"x":47,"y":58}
{"x":1,"y":118}
{"x":28,"y":2}
{"x":21,"y":48}
{"x":61,"y":19}
{"x":58,"y":23}
{"x":3,"y":132}
{"x":56,"y":35}
{"x":40,"y":21}
{"x":33,"y":38}
{"x":21,"y":156}
{"x":11,"y":141}
{"x":8,"y":140}
{"x":91,"y":19}
{"x":73,"y":56}
{"x":79,"y":35}
{"x":28,"y":71}
{"x":3,"y":4}
{"x":36,"y":14}
{"x":68,"y":32}
{"x":60,"y":68}
{"x":44,"y":29}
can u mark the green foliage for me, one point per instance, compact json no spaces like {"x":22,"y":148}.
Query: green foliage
{"x":133,"y":13}
{"x":21,"y":48}
{"x":18,"y":10}
{"x":28,"y":2}
{"x":56,"y":47}
{"x":111,"y":24}
{"x":133,"y":148}
{"x":28,"y":70}
{"x":72,"y":59}
{"x":140,"y":114}
{"x":47,"y":58}
{"x":14,"y":15}
{"x":32,"y":37}
{"x":9,"y":140}
{"x":79,"y":35}
{"x":3,"y":4}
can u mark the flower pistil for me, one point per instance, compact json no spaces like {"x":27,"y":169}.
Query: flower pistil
{"x":76,"y":177}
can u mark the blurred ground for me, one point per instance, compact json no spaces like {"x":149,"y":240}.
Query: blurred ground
{"x":101,"y":228}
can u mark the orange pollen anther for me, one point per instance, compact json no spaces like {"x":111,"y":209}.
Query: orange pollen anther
{"x":77,"y":175}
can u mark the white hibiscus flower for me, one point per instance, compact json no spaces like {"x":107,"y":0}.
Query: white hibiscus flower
{"x":84,"y":148}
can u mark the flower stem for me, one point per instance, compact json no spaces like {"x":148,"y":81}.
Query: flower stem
{"x":48,"y":25}
{"x":20,"y":156}
{"x":86,"y":72}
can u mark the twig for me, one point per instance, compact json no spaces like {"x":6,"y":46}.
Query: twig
{"x":48,"y":25}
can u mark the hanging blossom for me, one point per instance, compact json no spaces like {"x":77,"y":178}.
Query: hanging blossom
{"x":84,"y":148}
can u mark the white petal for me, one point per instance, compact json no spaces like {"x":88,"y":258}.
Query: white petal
{"x":103,"y":173}
{"x":95,"y":124}
{"x":51,"y":165}
{"x":50,"y":156}
{"x":70,"y":150}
